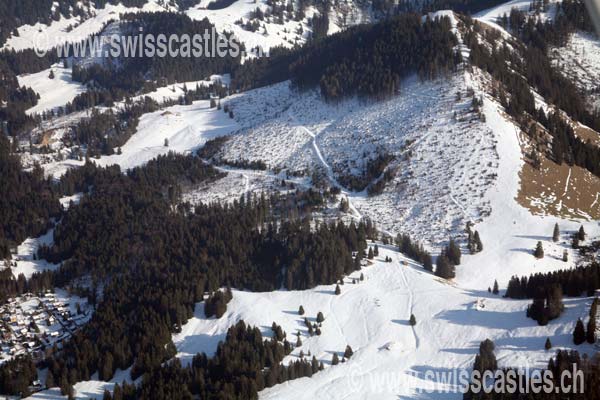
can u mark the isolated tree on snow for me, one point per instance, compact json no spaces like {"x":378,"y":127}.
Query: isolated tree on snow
{"x":348,"y":352}
{"x":486,"y":359}
{"x":51,"y":75}
{"x":335,"y":360}
{"x":362,"y":277}
{"x":548,"y":344}
{"x":477,"y":242}
{"x":320,"y":317}
{"x":495,"y":290}
{"x":591,"y":330}
{"x":556,"y":233}
{"x":565,"y":256}
{"x":579,"y":333}
{"x":298,"y":342}
{"x":166,"y":142}
{"x":301,"y":310}
{"x":337,"y":289}
{"x":376,"y":251}
{"x":539,"y":250}
{"x":581,"y":233}
{"x":370,"y":254}
{"x":412,"y":320}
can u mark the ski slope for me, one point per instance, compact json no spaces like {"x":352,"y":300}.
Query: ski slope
{"x":391,"y":358}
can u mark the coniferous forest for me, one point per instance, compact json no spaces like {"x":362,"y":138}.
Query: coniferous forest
{"x":342,"y":65}
{"x":154,"y":260}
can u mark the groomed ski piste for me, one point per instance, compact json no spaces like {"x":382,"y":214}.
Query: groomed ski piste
{"x":430,"y":198}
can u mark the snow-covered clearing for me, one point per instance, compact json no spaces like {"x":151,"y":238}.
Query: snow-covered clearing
{"x":185,"y":128}
{"x":25,"y":260}
{"x":390,"y":358}
{"x":177,"y":90}
{"x":54,"y":92}
{"x":92,"y":389}
{"x":492,"y":16}
{"x":44,"y":37}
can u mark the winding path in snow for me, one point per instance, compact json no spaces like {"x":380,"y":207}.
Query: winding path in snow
{"x":410,"y":298}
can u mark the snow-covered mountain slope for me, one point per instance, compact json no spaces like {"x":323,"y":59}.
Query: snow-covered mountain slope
{"x":444,"y":155}
{"x":493,"y":15}
{"x":580,"y":60}
{"x":272,"y":32}
{"x":178,"y":128}
{"x":54,"y":92}
{"x":390,"y":357}
{"x":69,"y":30}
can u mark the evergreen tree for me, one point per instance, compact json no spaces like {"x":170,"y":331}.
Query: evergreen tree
{"x":486,"y":360}
{"x":444,"y":267}
{"x":453,"y":252}
{"x":335,"y":360}
{"x":565,"y":256}
{"x":579,"y":335}
{"x":548,"y":344}
{"x":337,"y":289}
{"x":301,"y":310}
{"x":166,"y":142}
{"x":362,"y":277}
{"x":495,"y":290}
{"x":370,"y":254}
{"x":413,"y":320}
{"x":376,"y":251}
{"x":320,"y":317}
{"x":539,"y":250}
{"x":478,"y":245}
{"x":348,"y":352}
{"x":581,"y":233}
{"x":591,"y":330}
{"x":556,"y":233}
{"x":51,"y":75}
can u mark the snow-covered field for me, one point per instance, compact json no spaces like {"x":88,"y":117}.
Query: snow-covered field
{"x":44,"y":37}
{"x":55,"y":92}
{"x":185,"y":128}
{"x":25,"y":260}
{"x":391,"y":359}
{"x":492,"y":16}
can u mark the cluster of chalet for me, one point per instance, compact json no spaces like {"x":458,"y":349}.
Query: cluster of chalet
{"x":31,"y":324}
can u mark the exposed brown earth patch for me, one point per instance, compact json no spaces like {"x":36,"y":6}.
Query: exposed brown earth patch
{"x":560,"y":190}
